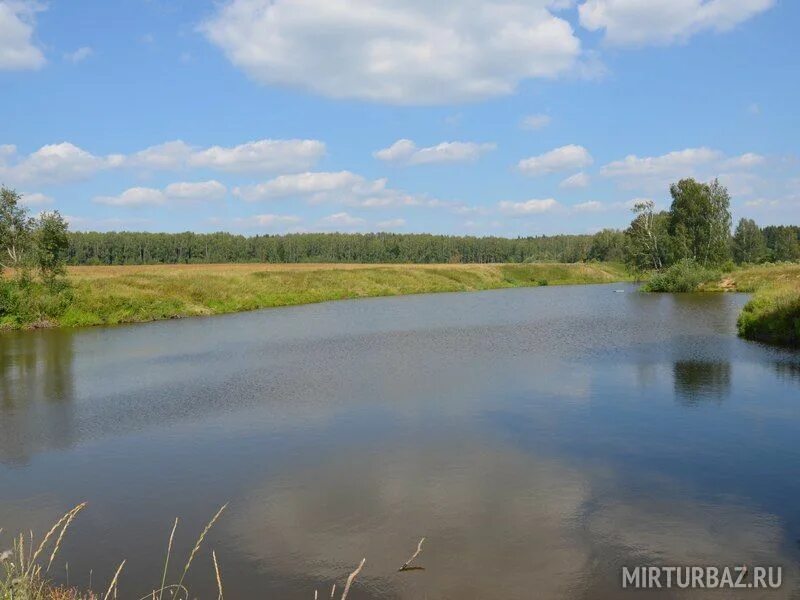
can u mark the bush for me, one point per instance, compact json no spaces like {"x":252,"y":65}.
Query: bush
{"x":684,"y":276}
{"x":772,"y":316}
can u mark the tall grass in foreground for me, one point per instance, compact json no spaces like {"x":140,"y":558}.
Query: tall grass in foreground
{"x":25,"y":572}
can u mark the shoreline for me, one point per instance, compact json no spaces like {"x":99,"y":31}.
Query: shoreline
{"x":116,"y":295}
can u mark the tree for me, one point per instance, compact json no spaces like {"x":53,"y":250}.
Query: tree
{"x":50,"y":245}
{"x":749,"y":245}
{"x":648,"y":239}
{"x":607,"y":245}
{"x":786,"y":244}
{"x":15,"y":230}
{"x":700,"y":221}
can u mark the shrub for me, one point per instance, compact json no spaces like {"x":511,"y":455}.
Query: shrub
{"x":684,"y":276}
{"x":772,"y":316}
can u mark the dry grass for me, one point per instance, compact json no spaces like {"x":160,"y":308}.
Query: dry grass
{"x":129,"y":294}
{"x":22,"y":577}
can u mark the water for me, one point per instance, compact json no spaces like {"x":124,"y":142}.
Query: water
{"x":538,"y":438}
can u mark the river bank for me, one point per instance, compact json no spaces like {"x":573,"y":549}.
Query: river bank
{"x":112,"y":295}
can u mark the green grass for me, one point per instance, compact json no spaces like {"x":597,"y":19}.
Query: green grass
{"x":773,"y":313}
{"x":114,"y":295}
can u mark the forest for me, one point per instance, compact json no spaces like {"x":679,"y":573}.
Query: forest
{"x":750,"y":244}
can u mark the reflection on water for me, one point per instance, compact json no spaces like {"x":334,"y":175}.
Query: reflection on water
{"x":701,"y":381}
{"x":539,"y":439}
{"x":36,"y":391}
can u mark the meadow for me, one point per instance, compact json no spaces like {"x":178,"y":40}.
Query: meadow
{"x":111,"y":295}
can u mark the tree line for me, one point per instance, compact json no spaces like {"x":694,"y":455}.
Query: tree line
{"x":134,"y":248}
{"x":697,"y":228}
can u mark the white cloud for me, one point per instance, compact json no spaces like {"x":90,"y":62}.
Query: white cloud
{"x":201,"y":190}
{"x":591,"y":206}
{"x":267,"y":221}
{"x":528,"y":207}
{"x":670,"y":165}
{"x":17,"y":49}
{"x":78,"y":55}
{"x":342,"y":220}
{"x":395,"y":51}
{"x":316,"y":185}
{"x":113,"y":224}
{"x":391,"y":224}
{"x":169,"y":155}
{"x":342,"y":187}
{"x":134,"y":197}
{"x":744,"y":161}
{"x":64,"y":162}
{"x":536,"y":122}
{"x":35,"y":199}
{"x":262,"y":156}
{"x":640,"y":22}
{"x":560,"y":159}
{"x":406,"y":152}
{"x":182,"y":191}
{"x":579,"y":180}
{"x":654,"y":173}
{"x":754,"y":109}
{"x":54,"y":163}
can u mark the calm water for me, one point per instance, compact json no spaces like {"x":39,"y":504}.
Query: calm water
{"x":538,"y":438}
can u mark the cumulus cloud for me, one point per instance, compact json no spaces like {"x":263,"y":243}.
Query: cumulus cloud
{"x":579,"y":180}
{"x":54,"y":163}
{"x":406,"y":152}
{"x":657,"y":172}
{"x":17,"y":49}
{"x":262,"y":156}
{"x":267,"y":221}
{"x":183,"y":191}
{"x":78,"y":223}
{"x":641,"y":22}
{"x":65,"y":162}
{"x":395,"y":51}
{"x":560,"y":159}
{"x":591,"y":206}
{"x":201,"y":190}
{"x":35,"y":199}
{"x":342,"y":220}
{"x":528,"y":207}
{"x":134,"y":197}
{"x":78,"y":55}
{"x":536,"y":122}
{"x":391,"y":224}
{"x":342,"y":187}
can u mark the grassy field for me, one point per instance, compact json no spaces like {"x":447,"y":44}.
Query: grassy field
{"x":773,"y":314}
{"x":130,"y":294}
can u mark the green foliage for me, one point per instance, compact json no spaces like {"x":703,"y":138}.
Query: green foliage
{"x":26,"y":243}
{"x":684,"y":276}
{"x":749,"y":245}
{"x":648,"y":242}
{"x":15,"y":230}
{"x":772,"y":316}
{"x":783,"y":243}
{"x":700,"y":221}
{"x":139,"y":248}
{"x":50,"y":246}
{"x":607,"y":245}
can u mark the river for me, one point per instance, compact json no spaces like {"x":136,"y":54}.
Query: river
{"x":539,"y":439}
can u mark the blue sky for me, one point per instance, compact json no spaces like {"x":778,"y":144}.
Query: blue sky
{"x":483,"y":117}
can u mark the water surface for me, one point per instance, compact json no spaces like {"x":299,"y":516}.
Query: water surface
{"x":538,"y":438}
